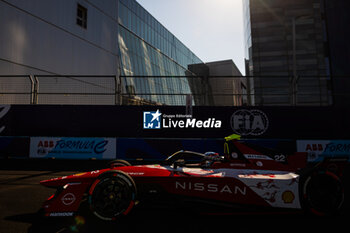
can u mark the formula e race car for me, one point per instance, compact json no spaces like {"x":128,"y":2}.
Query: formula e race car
{"x":243,"y":176}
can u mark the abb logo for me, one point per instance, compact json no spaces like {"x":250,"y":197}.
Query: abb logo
{"x":46,"y":144}
{"x":314,"y":147}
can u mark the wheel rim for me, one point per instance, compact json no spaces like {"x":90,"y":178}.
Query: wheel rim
{"x":111,"y":197}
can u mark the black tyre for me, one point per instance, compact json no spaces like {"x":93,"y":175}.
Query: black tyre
{"x":322,"y":193}
{"x":118,"y":163}
{"x":112,"y":195}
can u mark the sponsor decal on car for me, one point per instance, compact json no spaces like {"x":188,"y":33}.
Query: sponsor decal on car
{"x":61,"y":214}
{"x":68,"y":199}
{"x":278,"y":190}
{"x":135,"y":173}
{"x":210,"y":187}
{"x":253,"y":156}
{"x":288,"y":197}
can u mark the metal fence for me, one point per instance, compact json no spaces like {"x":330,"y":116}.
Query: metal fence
{"x":166,"y":90}
{"x":92,"y":90}
{"x":16,"y":89}
{"x":290,"y":90}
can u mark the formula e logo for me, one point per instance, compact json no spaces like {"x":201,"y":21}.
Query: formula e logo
{"x":152,"y":120}
{"x":249,"y":122}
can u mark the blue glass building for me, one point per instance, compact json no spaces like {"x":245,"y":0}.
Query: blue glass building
{"x":154,"y":55}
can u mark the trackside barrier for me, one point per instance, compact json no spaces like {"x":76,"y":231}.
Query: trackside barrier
{"x":14,"y":147}
{"x":157,"y":149}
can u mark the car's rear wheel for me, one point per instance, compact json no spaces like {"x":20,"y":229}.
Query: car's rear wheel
{"x":112,"y":195}
{"x":322,"y":193}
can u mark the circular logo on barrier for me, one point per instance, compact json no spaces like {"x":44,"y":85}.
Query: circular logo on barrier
{"x":68,"y":199}
{"x":249,"y":122}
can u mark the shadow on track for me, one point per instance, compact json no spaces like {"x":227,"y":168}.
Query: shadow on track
{"x":183,"y":220}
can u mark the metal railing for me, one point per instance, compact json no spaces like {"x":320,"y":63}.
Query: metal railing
{"x":53,"y":89}
{"x":90,"y":90}
{"x":17,"y":89}
{"x":167,"y":90}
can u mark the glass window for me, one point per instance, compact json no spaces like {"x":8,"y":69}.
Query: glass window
{"x":162,"y":31}
{"x":142,"y":30}
{"x":142,"y":15}
{"x":129,"y":19}
{"x":158,"y":27}
{"x":133,"y":5}
{"x":158,"y":41}
{"x":132,"y":43}
{"x":81,"y":18}
{"x":127,"y":40}
{"x":148,"y":19}
{"x":148,"y":33}
{"x":151,"y":37}
{"x":137,"y":29}
{"x":133,"y":22}
{"x":128,"y":3}
{"x":143,"y":66}
{"x":153,"y":60}
{"x":138,"y":10}
{"x":120,"y":14}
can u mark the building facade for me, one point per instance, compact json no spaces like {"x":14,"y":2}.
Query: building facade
{"x":225,"y":80}
{"x":222,"y":83}
{"x":338,"y":32}
{"x":45,"y":37}
{"x":287,"y":57}
{"x":79,"y":37}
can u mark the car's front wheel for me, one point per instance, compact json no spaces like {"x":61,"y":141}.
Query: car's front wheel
{"x":112,"y":195}
{"x":118,"y":163}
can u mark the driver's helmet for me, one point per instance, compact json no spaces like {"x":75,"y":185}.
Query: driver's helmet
{"x":211,"y":153}
{"x":212,"y":156}
{"x":209,"y":158}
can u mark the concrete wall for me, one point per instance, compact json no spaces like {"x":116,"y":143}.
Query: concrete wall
{"x":40,"y":36}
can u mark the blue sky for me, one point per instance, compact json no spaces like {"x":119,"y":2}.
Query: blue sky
{"x":212,"y":29}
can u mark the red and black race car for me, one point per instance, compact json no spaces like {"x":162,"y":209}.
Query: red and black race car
{"x":242,"y":175}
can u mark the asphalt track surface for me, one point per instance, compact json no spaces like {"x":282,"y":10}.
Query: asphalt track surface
{"x":21,"y":197}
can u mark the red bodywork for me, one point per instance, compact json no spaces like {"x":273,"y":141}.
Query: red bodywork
{"x":256,"y":180}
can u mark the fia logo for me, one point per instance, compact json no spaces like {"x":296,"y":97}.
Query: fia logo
{"x":249,"y":122}
{"x":152,"y":120}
